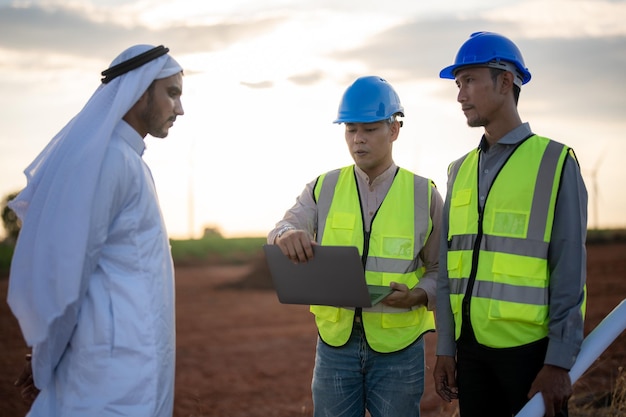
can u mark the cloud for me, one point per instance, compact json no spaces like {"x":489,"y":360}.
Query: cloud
{"x":419,"y":48}
{"x":308,"y":78}
{"x":565,"y":18}
{"x":258,"y":85}
{"x":74,"y":32}
{"x":582,"y":75}
{"x":571,"y":72}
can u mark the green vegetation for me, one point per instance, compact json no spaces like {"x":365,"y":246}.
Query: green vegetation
{"x":216,"y":249}
{"x":6,"y":253}
{"x":606,"y":235}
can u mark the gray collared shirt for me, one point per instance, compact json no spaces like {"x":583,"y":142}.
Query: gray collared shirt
{"x":566,"y":257}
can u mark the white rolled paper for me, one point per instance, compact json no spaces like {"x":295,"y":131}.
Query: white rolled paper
{"x":592,"y":347}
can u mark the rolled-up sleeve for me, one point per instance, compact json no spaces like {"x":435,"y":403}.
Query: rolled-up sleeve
{"x":302,"y":215}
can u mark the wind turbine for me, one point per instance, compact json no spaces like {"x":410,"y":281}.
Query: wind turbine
{"x":595,"y":192}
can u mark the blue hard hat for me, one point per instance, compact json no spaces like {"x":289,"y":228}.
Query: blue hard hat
{"x":369,"y":99}
{"x":489,"y":49}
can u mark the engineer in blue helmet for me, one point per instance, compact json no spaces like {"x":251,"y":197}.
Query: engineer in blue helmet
{"x":370,"y":358}
{"x":511,"y":287}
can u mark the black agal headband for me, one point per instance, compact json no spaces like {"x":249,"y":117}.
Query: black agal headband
{"x":135,"y":62}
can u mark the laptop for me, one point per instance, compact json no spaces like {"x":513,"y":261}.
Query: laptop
{"x":334,"y":277}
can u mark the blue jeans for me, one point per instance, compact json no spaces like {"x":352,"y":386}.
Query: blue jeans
{"x":352,"y":378}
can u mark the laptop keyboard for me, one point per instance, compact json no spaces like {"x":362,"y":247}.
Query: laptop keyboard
{"x":375,"y":295}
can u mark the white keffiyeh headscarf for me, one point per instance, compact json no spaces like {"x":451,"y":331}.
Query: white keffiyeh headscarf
{"x":51,"y":260}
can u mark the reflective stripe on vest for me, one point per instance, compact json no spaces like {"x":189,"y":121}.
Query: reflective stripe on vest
{"x":399,"y":231}
{"x":510,"y":282}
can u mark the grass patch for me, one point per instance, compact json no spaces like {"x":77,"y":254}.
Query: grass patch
{"x":613,"y":404}
{"x":618,"y":402}
{"x":216,"y":249}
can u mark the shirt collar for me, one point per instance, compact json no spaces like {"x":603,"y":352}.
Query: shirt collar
{"x":130,"y":136}
{"x":515,"y":136}
{"x":386,"y":174}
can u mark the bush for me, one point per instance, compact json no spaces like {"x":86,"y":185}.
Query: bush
{"x":6,"y":253}
{"x":600,"y":236}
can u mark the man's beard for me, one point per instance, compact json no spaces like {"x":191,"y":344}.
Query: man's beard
{"x":477,"y":122}
{"x":158,"y":130}
{"x":155,"y":126}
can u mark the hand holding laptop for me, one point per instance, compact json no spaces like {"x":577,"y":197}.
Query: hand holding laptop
{"x":404,"y":297}
{"x":295,"y":244}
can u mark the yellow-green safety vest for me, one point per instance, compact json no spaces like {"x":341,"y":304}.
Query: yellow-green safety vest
{"x":501,"y":255}
{"x":399,"y":230}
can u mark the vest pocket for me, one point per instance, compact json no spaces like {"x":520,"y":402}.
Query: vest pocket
{"x":397,"y":317}
{"x":510,"y":223}
{"x":455,"y":265}
{"x":326,"y":313}
{"x":397,"y":247}
{"x":522,"y":313}
{"x":460,"y":205}
{"x":519,"y":290}
{"x":341,"y":230}
{"x":408,"y":319}
{"x":461,"y":197}
{"x":386,"y":278}
{"x":456,"y":301}
{"x":519,"y":270}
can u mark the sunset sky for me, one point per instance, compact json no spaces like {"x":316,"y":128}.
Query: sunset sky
{"x":263,"y":80}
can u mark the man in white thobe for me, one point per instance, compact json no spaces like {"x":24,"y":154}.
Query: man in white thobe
{"x":92,"y":281}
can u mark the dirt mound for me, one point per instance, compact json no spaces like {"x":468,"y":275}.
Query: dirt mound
{"x":258,"y":278}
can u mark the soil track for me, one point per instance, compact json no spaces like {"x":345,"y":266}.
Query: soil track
{"x":240,"y":353}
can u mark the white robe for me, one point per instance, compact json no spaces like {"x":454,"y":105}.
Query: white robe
{"x":121,"y":357}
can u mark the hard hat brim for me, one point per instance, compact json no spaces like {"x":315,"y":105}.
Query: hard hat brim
{"x":449,"y":71}
{"x":364,"y":119}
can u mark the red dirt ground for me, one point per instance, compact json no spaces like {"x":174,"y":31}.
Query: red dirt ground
{"x":240,"y":353}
